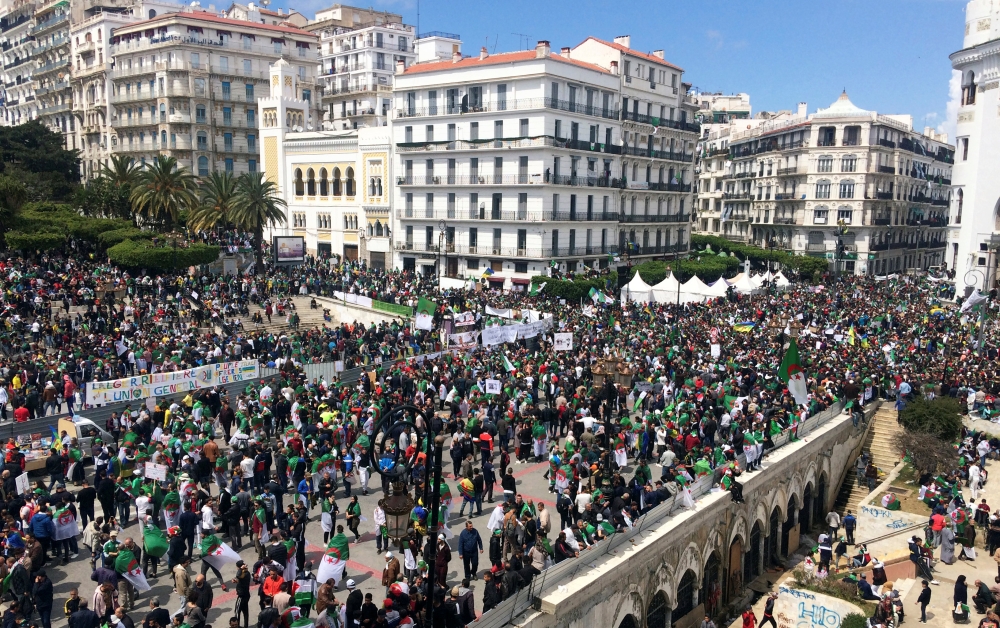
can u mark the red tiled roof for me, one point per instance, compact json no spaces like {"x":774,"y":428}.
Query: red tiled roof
{"x":204,"y":16}
{"x":495,"y":59}
{"x":635,"y":53}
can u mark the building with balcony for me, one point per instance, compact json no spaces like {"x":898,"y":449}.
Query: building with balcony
{"x":975,"y":210}
{"x":658,"y":137}
{"x":90,"y":75}
{"x":251,"y":12}
{"x":186,"y":84}
{"x":719,"y":108}
{"x":359,"y":49}
{"x":51,"y":75}
{"x":337,"y":184}
{"x":507,"y":162}
{"x":862,"y":189}
{"x":17,"y":43}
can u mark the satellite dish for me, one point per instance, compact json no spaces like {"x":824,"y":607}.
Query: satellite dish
{"x":309,"y":126}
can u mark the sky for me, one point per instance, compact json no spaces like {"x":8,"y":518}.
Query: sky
{"x":890,"y":55}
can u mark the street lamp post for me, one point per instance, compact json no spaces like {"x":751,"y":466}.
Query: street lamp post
{"x":399,"y":504}
{"x":442,"y":258}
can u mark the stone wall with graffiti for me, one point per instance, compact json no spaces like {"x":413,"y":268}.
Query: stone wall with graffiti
{"x":797,"y":608}
{"x":875,"y":522}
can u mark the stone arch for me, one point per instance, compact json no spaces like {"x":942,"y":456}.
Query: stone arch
{"x":761,"y":515}
{"x":712,"y":544}
{"x":658,"y":610}
{"x":630,"y":606}
{"x":779,"y":499}
{"x":810,"y":474}
{"x":691,"y":559}
{"x":738,"y":528}
{"x":795,"y":486}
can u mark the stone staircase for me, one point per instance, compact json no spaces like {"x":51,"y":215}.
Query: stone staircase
{"x":879,"y":444}
{"x":308,"y":318}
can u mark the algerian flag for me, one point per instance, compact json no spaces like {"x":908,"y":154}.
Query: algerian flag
{"x":128,"y":567}
{"x":258,"y":524}
{"x":507,"y":365}
{"x":335,"y":559}
{"x":607,"y":527}
{"x":154,"y":541}
{"x":596,"y":295}
{"x":535,"y":290}
{"x":302,"y":622}
{"x":65,"y":523}
{"x":425,"y":314}
{"x":216,"y":553}
{"x":304,"y":590}
{"x":792,"y":374}
{"x":976,"y":298}
{"x":638,"y":401}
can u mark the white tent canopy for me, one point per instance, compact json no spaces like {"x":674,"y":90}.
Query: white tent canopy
{"x":637,"y":290}
{"x":718,"y":289}
{"x":780,"y":280}
{"x":666,"y":290}
{"x":742,"y":283}
{"x":694,"y":286}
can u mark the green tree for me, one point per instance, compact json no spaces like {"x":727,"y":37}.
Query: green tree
{"x":218,"y":194}
{"x":102,"y":198}
{"x":122,"y":171}
{"x":164,"y":190}
{"x":257,"y":205}
{"x":13,"y":194}
{"x":38,"y":157}
{"x":938,"y":418}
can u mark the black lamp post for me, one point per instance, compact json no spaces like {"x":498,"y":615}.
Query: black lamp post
{"x":399,"y":504}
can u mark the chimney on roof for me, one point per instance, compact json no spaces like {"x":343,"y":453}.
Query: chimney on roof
{"x":614,"y":67}
{"x":564,"y":51}
{"x":802,"y":110}
{"x":482,"y":53}
{"x":542,"y":49}
{"x":658,"y":54}
{"x":400,"y":66}
{"x":624,"y":40}
{"x":456,"y":57}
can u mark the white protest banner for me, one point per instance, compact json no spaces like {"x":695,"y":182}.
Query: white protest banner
{"x":504,"y":313}
{"x":563,"y":341}
{"x":167,"y":383}
{"x":22,"y":484}
{"x":492,"y":387}
{"x":338,"y":366}
{"x":499,"y":334}
{"x":463,"y":319}
{"x":463,"y":340}
{"x":155,"y":471}
{"x":716,"y":351}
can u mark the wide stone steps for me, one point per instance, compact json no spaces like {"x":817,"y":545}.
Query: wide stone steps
{"x":308,"y":318}
{"x":879,"y":444}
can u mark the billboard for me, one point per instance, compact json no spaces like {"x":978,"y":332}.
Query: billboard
{"x":289,"y":249}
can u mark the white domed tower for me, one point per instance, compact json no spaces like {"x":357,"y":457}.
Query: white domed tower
{"x":975,"y":202}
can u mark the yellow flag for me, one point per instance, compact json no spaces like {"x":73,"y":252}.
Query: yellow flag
{"x":850,"y":336}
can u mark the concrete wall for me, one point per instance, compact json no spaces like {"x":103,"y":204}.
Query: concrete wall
{"x":351,"y":313}
{"x":625,"y":581}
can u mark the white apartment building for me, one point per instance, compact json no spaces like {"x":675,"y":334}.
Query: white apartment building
{"x":845,"y":177}
{"x":336,"y":183}
{"x":505,"y":162}
{"x":719,"y":115}
{"x":18,"y":46}
{"x":52,"y":68}
{"x":659,"y":134}
{"x":359,"y":50}
{"x":90,"y":80}
{"x":186,"y":84}
{"x":252,"y":12}
{"x":975,"y":211}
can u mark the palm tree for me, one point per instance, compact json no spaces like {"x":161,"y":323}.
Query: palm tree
{"x":163,"y":191}
{"x":123,"y":171}
{"x":257,"y":205}
{"x":218,"y":191}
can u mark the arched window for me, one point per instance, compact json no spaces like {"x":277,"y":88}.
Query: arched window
{"x":324,"y":185}
{"x":658,"y":611}
{"x":336,"y":182}
{"x":711,"y":584}
{"x":350,"y":182}
{"x":299,"y":187}
{"x":310,"y":182}
{"x":203,"y":166}
{"x":969,"y":89}
{"x":378,"y":186}
{"x":685,"y":596}
{"x":152,"y":14}
{"x":378,"y":228}
{"x":371,"y":187}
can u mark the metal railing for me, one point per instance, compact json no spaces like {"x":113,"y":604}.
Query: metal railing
{"x":657,"y":154}
{"x":549,"y":579}
{"x":501,"y":143}
{"x":656,"y":218}
{"x":518,"y":104}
